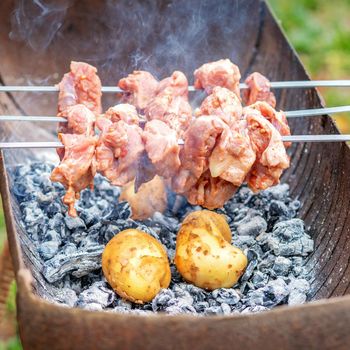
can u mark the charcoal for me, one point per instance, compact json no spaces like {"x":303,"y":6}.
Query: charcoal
{"x":48,"y":249}
{"x":69,"y":249}
{"x":161,"y":301}
{"x":79,"y":263}
{"x":251,"y":226}
{"x":226,"y":295}
{"x":74,"y":223}
{"x":98,"y":293}
{"x":259,"y":279}
{"x":66,"y":296}
{"x":282,"y":266}
{"x":271,"y":295}
{"x":298,"y":290}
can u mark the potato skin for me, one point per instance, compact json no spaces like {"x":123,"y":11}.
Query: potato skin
{"x":204,"y":255}
{"x":136,"y":265}
{"x":150,"y":197}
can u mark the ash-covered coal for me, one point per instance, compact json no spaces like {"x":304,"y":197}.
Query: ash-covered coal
{"x":264,"y":225}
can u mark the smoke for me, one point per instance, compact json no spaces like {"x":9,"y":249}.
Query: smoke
{"x":119,"y":36}
{"x":36,"y":21}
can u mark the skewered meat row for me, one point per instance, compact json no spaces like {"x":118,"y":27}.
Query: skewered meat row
{"x":79,"y":101}
{"x":225,"y":144}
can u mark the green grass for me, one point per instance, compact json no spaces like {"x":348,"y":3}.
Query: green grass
{"x":320,"y":32}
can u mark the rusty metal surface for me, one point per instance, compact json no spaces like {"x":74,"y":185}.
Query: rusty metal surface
{"x":318,"y":177}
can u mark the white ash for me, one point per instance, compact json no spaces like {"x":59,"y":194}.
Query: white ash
{"x":263,"y":225}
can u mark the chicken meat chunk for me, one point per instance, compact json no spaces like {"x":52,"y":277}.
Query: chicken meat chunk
{"x":258,"y":90}
{"x":171,"y":103}
{"x":210,"y":192}
{"x":123,"y":111}
{"x":219,"y":73}
{"x":277,"y":119}
{"x":199,"y":142}
{"x":223,"y":103}
{"x":118,"y":150}
{"x":140,"y":88}
{"x":271,"y":156}
{"x":77,"y":168}
{"x":162,"y":147}
{"x":80,"y":86}
{"x":233,"y":155}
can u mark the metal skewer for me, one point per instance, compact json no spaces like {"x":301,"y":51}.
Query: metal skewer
{"x":292,"y":138}
{"x":116,"y":89}
{"x":289,"y":114}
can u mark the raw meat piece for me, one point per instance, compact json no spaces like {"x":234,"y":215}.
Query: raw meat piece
{"x":80,"y":86}
{"x":162,"y":147}
{"x":271,"y":156}
{"x":123,"y":111}
{"x":222,"y":102}
{"x":171,"y":103}
{"x":258,"y":90}
{"x":199,"y":141}
{"x":219,"y":73}
{"x":233,"y":155}
{"x":77,"y":168}
{"x":210,"y":192}
{"x":118,"y":150}
{"x":140,"y":88}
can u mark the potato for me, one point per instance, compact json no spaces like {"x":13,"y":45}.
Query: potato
{"x":204,"y":255}
{"x":150,"y":197}
{"x":136,"y":265}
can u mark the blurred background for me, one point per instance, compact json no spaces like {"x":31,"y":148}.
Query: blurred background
{"x":320,"y":32}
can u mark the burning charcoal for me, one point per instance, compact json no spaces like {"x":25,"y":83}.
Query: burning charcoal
{"x":251,"y":226}
{"x":289,"y":238}
{"x":79,"y":263}
{"x":52,"y":209}
{"x":120,"y":211}
{"x":124,"y":304}
{"x":201,"y":306}
{"x":226,"y":295}
{"x":48,"y":249}
{"x":66,"y":296}
{"x":98,"y":293}
{"x":298,"y":291}
{"x":161,"y":301}
{"x":282,"y":266}
{"x":243,"y":242}
{"x":254,"y":309}
{"x":198,"y":294}
{"x":270,"y":295}
{"x":175,"y":275}
{"x":259,"y":279}
{"x":74,"y":223}
{"x":170,"y":223}
{"x":179,"y":306}
{"x":181,"y":293}
{"x":90,"y":216}
{"x":213,"y":310}
{"x":279,"y":192}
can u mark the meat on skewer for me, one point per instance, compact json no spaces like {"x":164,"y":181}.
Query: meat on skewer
{"x":199,"y":141}
{"x":118,"y":150}
{"x":77,"y":168}
{"x":277,"y":119}
{"x":210,"y":192}
{"x":123,"y":111}
{"x":258,"y":90}
{"x":271,"y":156}
{"x":161,"y":145}
{"x":80,"y":86}
{"x":223,"y":103}
{"x":171,"y":103}
{"x":219,"y":73}
{"x":140,"y":88}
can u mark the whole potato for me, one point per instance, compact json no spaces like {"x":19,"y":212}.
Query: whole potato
{"x":204,"y":255}
{"x":136,"y":265}
{"x":150,"y":197}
